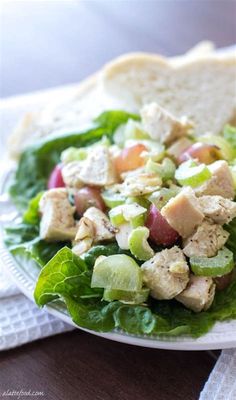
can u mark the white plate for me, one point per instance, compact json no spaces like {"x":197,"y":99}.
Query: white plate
{"x":222,"y":336}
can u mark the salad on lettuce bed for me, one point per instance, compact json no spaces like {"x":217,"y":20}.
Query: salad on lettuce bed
{"x":133,"y":223}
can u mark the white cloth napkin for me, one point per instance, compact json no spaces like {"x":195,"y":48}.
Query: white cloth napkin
{"x":21,"y":321}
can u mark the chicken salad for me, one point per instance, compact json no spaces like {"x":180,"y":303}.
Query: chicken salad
{"x":132,"y":222}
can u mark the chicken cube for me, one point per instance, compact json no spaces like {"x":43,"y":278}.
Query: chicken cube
{"x":221,"y":183}
{"x":183,"y":212}
{"x":166,"y":274}
{"x":103,"y":229}
{"x":98,"y":168}
{"x":161,"y":125}
{"x":71,"y":174}
{"x":84,"y":236}
{"x":199,"y":293}
{"x":219,"y":209}
{"x":206,"y":240}
{"x":57,"y":221}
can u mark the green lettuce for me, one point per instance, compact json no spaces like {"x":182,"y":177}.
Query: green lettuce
{"x":38,"y":160}
{"x":22,"y":238}
{"x":68,"y":277}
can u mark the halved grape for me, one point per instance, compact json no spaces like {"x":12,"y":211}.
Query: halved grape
{"x":118,"y":272}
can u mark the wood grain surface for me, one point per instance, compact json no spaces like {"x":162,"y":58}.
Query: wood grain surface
{"x":80,"y":366}
{"x":50,"y":43}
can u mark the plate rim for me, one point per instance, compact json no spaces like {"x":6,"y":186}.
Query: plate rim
{"x":182,"y":343}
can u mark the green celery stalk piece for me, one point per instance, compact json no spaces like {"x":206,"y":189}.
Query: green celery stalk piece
{"x":220,"y":265}
{"x":139,"y":245}
{"x":191,"y":174}
{"x":112,"y":199}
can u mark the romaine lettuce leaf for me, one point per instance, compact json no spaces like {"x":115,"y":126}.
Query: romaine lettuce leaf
{"x":68,"y":277}
{"x":37,"y":161}
{"x":231,"y":242}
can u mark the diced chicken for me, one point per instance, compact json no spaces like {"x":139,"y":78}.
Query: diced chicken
{"x":140,"y":183}
{"x":98,"y":168}
{"x":82,"y":246}
{"x":178,"y":147}
{"x":166,"y":274}
{"x":206,"y":240}
{"x":161,"y":125}
{"x":183,"y":212}
{"x":71,"y":174}
{"x":85,"y":229}
{"x":199,"y":293}
{"x":57,"y":221}
{"x":103,"y":229}
{"x":221,"y":182}
{"x":219,"y":209}
{"x":84,"y":236}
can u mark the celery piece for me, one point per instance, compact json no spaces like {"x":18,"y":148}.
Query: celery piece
{"x":112,"y":199}
{"x":133,"y":213}
{"x":221,"y":264}
{"x":161,"y":197}
{"x":73,"y":154}
{"x":191,"y":174}
{"x":139,"y":245}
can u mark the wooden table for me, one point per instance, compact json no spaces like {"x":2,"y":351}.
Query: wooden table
{"x":46,"y":44}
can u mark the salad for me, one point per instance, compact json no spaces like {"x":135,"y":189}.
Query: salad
{"x":132,"y":222}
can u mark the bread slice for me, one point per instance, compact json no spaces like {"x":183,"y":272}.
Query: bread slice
{"x":70,"y":108}
{"x":202,"y":89}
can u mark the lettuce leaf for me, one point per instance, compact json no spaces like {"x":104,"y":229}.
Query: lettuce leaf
{"x":37,"y":161}
{"x":68,"y":277}
{"x":231,"y":243}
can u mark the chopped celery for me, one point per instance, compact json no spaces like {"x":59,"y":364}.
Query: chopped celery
{"x":73,"y":154}
{"x":117,"y":272}
{"x":161,"y":197}
{"x":139,"y":245}
{"x":124,"y":296}
{"x":112,"y":199}
{"x":191,"y":174}
{"x":133,"y":130}
{"x":227,"y":151}
{"x":116,"y":216}
{"x":141,"y":200}
{"x":133,"y":213}
{"x":221,"y":264}
{"x":166,"y":170}
{"x":153,"y":167}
